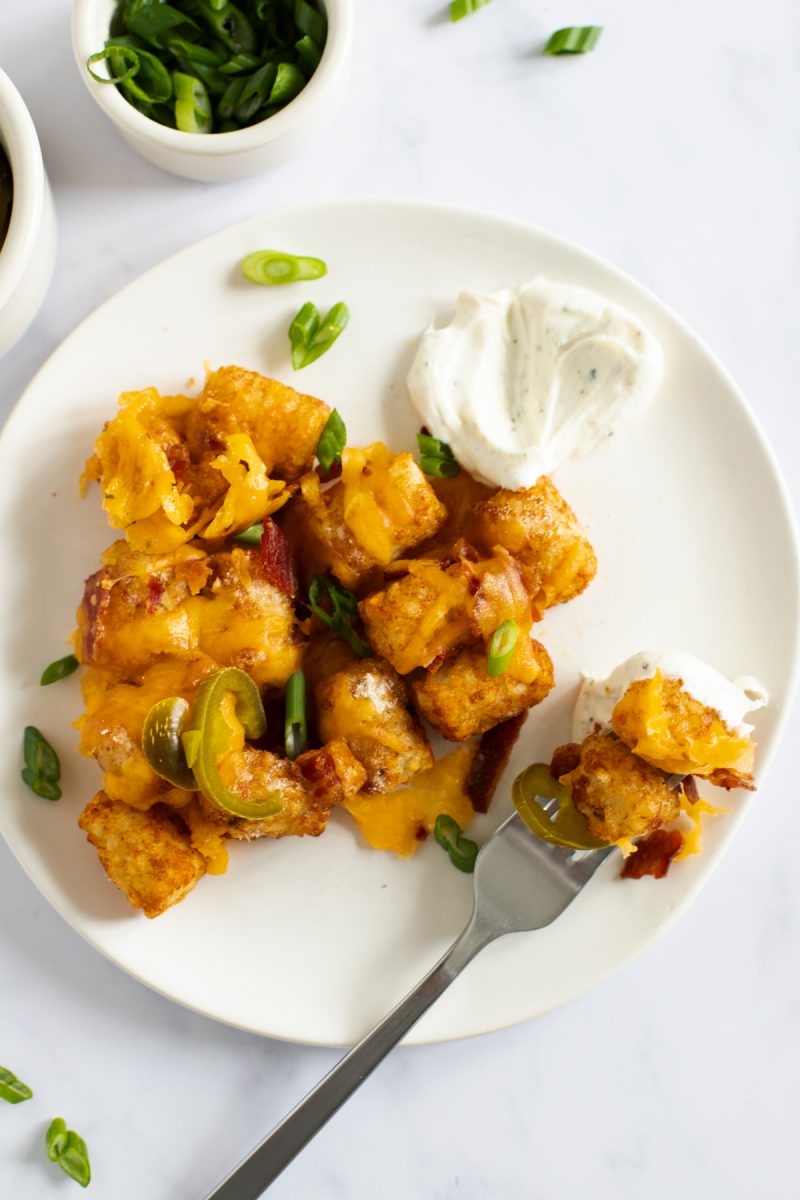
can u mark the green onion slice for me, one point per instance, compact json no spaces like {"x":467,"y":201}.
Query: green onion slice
{"x":575,"y":39}
{"x":344,"y":609}
{"x":69,"y":1151}
{"x":121,"y":54}
{"x":436,"y":457}
{"x":60,"y":669}
{"x":296,"y":730}
{"x":311,"y":22}
{"x":272,"y":267}
{"x":12,"y":1089}
{"x":192,"y":105}
{"x":462,"y":8}
{"x":332,"y":441}
{"x":256,"y":89}
{"x":152,"y":83}
{"x":501,"y":647}
{"x":42,"y":769}
{"x":289,"y":81}
{"x":462,"y":850}
{"x":309,"y":54}
{"x":311,"y":337}
{"x":251,"y":536}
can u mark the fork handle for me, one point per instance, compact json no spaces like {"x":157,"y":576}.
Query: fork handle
{"x":263,"y":1165}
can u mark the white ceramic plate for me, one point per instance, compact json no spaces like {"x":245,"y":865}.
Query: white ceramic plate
{"x":313,"y":940}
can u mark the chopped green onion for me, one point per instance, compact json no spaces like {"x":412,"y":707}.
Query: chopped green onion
{"x":501,"y":647}
{"x":462,"y":8}
{"x":59,"y":669}
{"x":296,"y":730}
{"x":575,"y":39}
{"x":192,"y":105}
{"x":301,"y":333}
{"x":340,"y":620}
{"x":332,"y":441}
{"x":42,"y":769}
{"x":308,"y":54}
{"x":462,"y":850}
{"x":251,"y":536}
{"x":273,"y":267}
{"x":310,"y":22}
{"x":69,"y":1151}
{"x":272,"y":47}
{"x":436,"y":457}
{"x":312,"y":337}
{"x":12,"y":1089}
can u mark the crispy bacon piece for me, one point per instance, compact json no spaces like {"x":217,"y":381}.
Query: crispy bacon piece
{"x":178,"y":459}
{"x":565,"y":759}
{"x":653,"y":855}
{"x":689,"y":786}
{"x":728,"y":778}
{"x":155,"y":590}
{"x":491,"y":759}
{"x":278,"y":559}
{"x":96,"y":599}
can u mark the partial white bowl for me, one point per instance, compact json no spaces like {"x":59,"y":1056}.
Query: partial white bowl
{"x":221,"y":157}
{"x":28,"y":253}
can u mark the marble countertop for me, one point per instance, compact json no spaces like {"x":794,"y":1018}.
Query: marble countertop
{"x":673,"y":150}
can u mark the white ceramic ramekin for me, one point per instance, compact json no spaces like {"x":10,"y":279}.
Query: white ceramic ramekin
{"x":27,"y":255}
{"x":219,"y":157}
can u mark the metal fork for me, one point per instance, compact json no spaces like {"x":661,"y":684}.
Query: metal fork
{"x":521,"y":883}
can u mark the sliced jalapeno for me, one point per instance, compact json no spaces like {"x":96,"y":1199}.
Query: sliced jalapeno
{"x":162,"y":745}
{"x":568,"y":828}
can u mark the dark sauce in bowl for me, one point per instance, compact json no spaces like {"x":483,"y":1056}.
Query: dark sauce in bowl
{"x":6,"y":194}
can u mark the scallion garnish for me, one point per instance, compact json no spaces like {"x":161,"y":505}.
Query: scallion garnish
{"x":332,"y":441}
{"x":273,"y":267}
{"x":295,"y":731}
{"x":575,"y":39}
{"x":311,"y":337}
{"x":268,"y":49}
{"x":462,"y":850}
{"x":59,"y":669}
{"x":436,"y":457}
{"x":42,"y":769}
{"x":192,"y":104}
{"x":344,"y":610}
{"x":12,"y":1089}
{"x":501,"y":647}
{"x":462,"y":8}
{"x":251,"y":536}
{"x":69,"y":1151}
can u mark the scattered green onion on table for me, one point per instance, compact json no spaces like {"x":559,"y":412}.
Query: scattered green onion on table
{"x":12,"y":1089}
{"x":209,"y":66}
{"x":462,"y":8}
{"x":575,"y":39}
{"x":68,"y":1150}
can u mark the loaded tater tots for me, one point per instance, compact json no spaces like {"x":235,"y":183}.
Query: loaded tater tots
{"x":266,"y":638}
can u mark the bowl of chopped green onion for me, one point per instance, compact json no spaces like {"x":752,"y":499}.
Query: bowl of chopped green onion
{"x":213,"y":90}
{"x":27,"y":219}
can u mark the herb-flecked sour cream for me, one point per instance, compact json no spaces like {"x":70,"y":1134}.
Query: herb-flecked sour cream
{"x":527,"y":377}
{"x":730,"y":699}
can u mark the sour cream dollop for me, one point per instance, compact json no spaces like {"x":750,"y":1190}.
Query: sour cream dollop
{"x":731,"y":699}
{"x":527,"y":377}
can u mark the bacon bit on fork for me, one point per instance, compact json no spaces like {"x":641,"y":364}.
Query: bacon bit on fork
{"x":491,"y":759}
{"x":653,"y":854}
{"x":278,"y":559}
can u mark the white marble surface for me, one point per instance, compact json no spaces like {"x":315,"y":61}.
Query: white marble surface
{"x":674,"y":150}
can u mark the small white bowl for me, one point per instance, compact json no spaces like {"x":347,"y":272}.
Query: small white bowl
{"x":219,"y":157}
{"x":27,"y":255}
